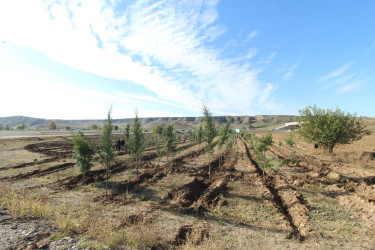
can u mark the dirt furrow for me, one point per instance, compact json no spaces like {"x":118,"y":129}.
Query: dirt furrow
{"x":27,"y":164}
{"x":289,"y":201}
{"x":39,"y":172}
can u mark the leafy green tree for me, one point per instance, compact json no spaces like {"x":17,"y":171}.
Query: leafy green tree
{"x":115,"y":127}
{"x":223,"y":137}
{"x":328,"y":128}
{"x":83,"y":152}
{"x":170,"y":142}
{"x":106,"y":151}
{"x":158,"y":130}
{"x":20,"y":126}
{"x":210,"y":132}
{"x":93,"y":127}
{"x":52,"y":125}
{"x":137,"y":143}
{"x":7,"y":126}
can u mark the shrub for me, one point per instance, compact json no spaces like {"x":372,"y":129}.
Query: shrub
{"x":52,"y":125}
{"x":83,"y":152}
{"x":289,"y":141}
{"x":327,"y":128}
{"x":20,"y":126}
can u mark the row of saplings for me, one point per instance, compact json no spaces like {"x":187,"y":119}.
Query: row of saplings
{"x":165,"y":142}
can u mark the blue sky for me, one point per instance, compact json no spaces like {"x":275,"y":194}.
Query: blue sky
{"x":74,"y":59}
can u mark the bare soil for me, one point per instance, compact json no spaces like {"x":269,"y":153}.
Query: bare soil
{"x":315,"y":200}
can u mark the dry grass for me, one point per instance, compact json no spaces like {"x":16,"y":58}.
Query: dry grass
{"x":21,"y":204}
{"x":92,"y":221}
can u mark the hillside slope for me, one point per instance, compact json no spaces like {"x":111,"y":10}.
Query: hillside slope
{"x":150,"y":122}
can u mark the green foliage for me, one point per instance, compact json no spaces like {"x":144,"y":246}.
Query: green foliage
{"x":52,"y":125}
{"x":281,"y":144}
{"x":158,"y":130}
{"x":224,"y":133}
{"x":200,"y":134}
{"x":20,"y":126}
{"x":115,"y":127}
{"x":106,"y":150}
{"x":127,"y":132}
{"x":264,"y":142}
{"x":289,"y":141}
{"x":2,"y":126}
{"x":252,"y":141}
{"x":83,"y":152}
{"x":210,"y":131}
{"x":264,"y":162}
{"x":261,"y":147}
{"x":327,"y":128}
{"x":223,"y":137}
{"x":93,"y":127}
{"x":159,"y":147}
{"x":158,"y":133}
{"x":136,"y":142}
{"x":170,"y":142}
{"x":230,"y":141}
{"x":293,"y":161}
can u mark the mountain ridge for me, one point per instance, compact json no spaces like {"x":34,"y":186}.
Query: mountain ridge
{"x":257,"y":121}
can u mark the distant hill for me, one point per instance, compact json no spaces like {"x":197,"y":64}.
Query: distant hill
{"x":259,"y":121}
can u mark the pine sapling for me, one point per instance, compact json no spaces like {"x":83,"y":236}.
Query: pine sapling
{"x":106,"y":151}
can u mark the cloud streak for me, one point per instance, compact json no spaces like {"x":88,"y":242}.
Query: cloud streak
{"x":335,"y":73}
{"x":160,"y":45}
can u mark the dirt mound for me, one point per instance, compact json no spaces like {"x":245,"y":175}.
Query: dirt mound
{"x":139,"y":218}
{"x":194,"y":234}
{"x":368,"y":156}
{"x":295,"y":206}
{"x":210,"y":198}
{"x":366,"y":191}
{"x":184,"y":196}
{"x":92,"y":176}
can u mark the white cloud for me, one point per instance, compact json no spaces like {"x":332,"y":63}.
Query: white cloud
{"x":251,"y":53}
{"x":351,"y":87}
{"x":290,"y":71}
{"x":335,"y":73}
{"x":251,"y":35}
{"x":159,"y":45}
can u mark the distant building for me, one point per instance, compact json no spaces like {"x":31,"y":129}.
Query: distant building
{"x":290,"y":126}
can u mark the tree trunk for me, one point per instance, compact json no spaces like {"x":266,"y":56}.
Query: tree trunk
{"x":331,"y":149}
{"x":137,"y":173}
{"x":209,"y":168}
{"x":106,"y":185}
